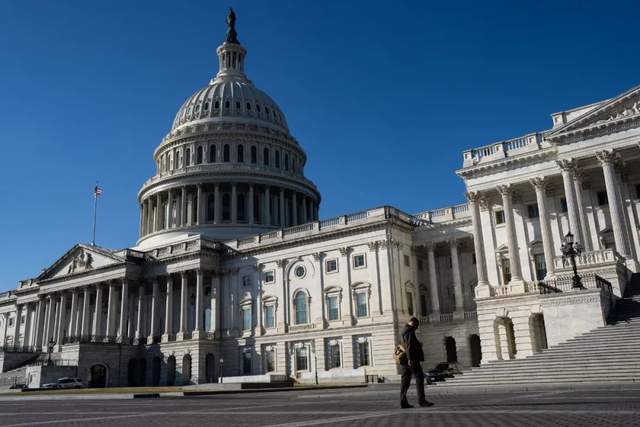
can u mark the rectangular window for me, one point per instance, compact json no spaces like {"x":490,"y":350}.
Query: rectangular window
{"x":270,"y":316}
{"x":246,"y":280}
{"x":358,"y":261}
{"x":563,"y":205}
{"x":423,"y":305}
{"x":269,"y":276}
{"x":499,"y":217}
{"x":333,"y":308}
{"x":410,"y":303}
{"x":361,"y":304}
{"x":332,"y":265}
{"x":11,"y":321}
{"x":334,"y":356}
{"x":541,"y":266}
{"x":420,"y":265}
{"x":363,"y":352}
{"x":22,"y":319}
{"x":302,"y":362}
{"x":270,"y":361}
{"x":246,"y":318}
{"x":602,"y":198}
{"x":532,"y":211}
{"x":638,"y":191}
{"x":246,"y":362}
{"x":407,"y":261}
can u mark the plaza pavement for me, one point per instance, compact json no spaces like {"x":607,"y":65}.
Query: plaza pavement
{"x":373,"y":406}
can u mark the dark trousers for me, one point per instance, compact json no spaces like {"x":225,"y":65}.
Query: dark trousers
{"x":406,"y":374}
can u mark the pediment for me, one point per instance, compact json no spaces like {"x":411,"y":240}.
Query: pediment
{"x":619,"y":113}
{"x":80,"y":259}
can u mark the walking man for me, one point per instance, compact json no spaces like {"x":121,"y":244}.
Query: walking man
{"x":411,"y":365}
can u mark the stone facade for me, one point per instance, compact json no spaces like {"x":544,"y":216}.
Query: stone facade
{"x":234,"y":275}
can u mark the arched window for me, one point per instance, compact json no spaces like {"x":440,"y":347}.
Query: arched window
{"x":254,"y":154}
{"x":217,"y":104}
{"x":240,"y":153}
{"x":277,"y":159}
{"x":226,"y":207}
{"x":265,"y":156}
{"x":212,"y":153}
{"x":301,"y":309}
{"x":226,"y":153}
{"x":199,"y":154}
{"x":187,"y":157}
{"x":211,"y":206}
{"x":186,"y":369}
{"x":286,"y":161}
{"x":293,"y":165}
{"x":226,"y":104}
{"x":175,"y":161}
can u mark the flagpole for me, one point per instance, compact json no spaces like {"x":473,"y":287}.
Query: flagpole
{"x":95,"y":214}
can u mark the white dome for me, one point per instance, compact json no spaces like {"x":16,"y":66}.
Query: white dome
{"x":229,"y":98}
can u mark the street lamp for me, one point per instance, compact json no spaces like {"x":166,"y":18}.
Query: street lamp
{"x":50,"y":345}
{"x":571,"y":249}
{"x":220,"y":365}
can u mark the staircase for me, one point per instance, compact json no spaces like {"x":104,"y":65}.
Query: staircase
{"x":608,"y":354}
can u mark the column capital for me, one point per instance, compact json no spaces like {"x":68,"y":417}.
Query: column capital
{"x":472,"y":196}
{"x":540,"y":183}
{"x":373,"y":246}
{"x":566,"y":165}
{"x":344,"y":251}
{"x":606,"y":156}
{"x":505,"y":190}
{"x":281,"y":263}
{"x":318,"y":256}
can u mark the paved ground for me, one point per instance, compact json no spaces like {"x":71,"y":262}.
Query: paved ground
{"x":373,"y":406}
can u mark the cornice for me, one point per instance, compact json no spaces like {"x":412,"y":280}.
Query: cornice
{"x":504,"y":164}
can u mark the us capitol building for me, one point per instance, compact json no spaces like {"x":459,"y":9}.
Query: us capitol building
{"x":234,"y":274}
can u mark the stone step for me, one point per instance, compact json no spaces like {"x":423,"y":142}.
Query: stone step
{"x":630,"y":373}
{"x":556,"y":380}
{"x":628,"y":360}
{"x":513,"y":373}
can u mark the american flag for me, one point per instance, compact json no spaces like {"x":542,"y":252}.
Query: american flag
{"x":97,"y":191}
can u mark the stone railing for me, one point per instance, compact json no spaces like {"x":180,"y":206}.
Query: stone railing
{"x":591,"y":258}
{"x":19,"y":349}
{"x":318,"y":227}
{"x":565,"y":284}
{"x":470,"y":315}
{"x":502,"y":149}
{"x":445,"y":214}
{"x":446,"y":317}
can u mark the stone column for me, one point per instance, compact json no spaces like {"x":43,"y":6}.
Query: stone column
{"x":217,"y":208}
{"x":250,"y":204}
{"x":140,"y":318}
{"x":345,"y":273}
{"x":433,"y":283}
{"x":74,"y":312}
{"x":86,"y":306}
{"x":184,"y":307}
{"x":215,"y":305}
{"x":158,"y":213}
{"x":199,"y":219}
{"x":155,"y":299}
{"x":111,"y":311}
{"x":27,"y":325}
{"x":582,"y":213}
{"x":199,"y":328}
{"x":294,"y":208}
{"x":62,"y":318}
{"x":547,"y":240}
{"x":40,"y":320}
{"x":483,"y":289}
{"x":607,"y":158}
{"x":46,"y":331}
{"x":267,"y":206}
{"x":457,"y":279}
{"x":143,"y":218}
{"x":183,"y":207}
{"x":506,"y":191}
{"x":97,"y":317}
{"x":305,"y":214}
{"x":123,"y":329}
{"x":568,"y":168}
{"x":234,"y":203}
{"x":5,"y":323}
{"x":168,"y":317}
{"x":282,"y":216}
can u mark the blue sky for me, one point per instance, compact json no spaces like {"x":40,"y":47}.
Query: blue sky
{"x":383,"y":96}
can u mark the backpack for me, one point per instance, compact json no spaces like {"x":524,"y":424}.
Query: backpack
{"x":400,"y":354}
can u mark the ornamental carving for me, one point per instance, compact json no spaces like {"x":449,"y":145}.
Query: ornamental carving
{"x":81,"y":262}
{"x":567,"y":165}
{"x":606,"y":156}
{"x":505,"y":190}
{"x":472,"y":196}
{"x":539,"y":183}
{"x":373,"y":246}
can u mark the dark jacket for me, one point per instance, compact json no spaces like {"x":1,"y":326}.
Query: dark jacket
{"x":412,"y":345}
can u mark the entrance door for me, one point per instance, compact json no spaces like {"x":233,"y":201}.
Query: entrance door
{"x":98,"y":376}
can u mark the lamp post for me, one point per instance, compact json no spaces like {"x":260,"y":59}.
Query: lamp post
{"x":571,"y":249}
{"x":50,"y":345}
{"x":220,"y":366}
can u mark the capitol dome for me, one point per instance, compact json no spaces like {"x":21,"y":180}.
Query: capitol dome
{"x":228,"y":168}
